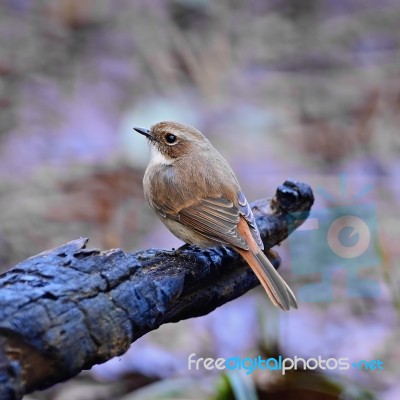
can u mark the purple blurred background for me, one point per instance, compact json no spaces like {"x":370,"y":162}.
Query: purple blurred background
{"x":308,"y":90}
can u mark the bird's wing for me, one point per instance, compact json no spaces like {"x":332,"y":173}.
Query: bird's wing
{"x":218,"y":218}
{"x":245,"y":211}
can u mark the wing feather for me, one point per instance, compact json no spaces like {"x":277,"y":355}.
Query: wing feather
{"x":217,"y":219}
{"x":245,"y":211}
{"x":214,"y":218}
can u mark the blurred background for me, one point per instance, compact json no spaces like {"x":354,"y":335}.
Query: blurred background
{"x":303,"y":89}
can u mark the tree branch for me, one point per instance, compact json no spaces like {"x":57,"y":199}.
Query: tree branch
{"x":69,"y":308}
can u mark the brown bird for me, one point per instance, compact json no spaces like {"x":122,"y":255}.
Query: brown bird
{"x":195,"y":193}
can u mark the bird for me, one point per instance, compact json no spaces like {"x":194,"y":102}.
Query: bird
{"x":193,"y":190}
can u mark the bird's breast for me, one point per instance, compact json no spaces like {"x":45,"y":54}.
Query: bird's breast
{"x":188,"y":181}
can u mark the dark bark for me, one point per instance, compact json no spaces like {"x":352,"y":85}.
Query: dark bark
{"x":69,"y":308}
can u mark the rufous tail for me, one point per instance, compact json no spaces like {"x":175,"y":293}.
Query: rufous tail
{"x":277,"y":289}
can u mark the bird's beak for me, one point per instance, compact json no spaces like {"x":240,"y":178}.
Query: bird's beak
{"x":145,"y":132}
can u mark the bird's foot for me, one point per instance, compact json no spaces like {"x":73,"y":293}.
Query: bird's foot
{"x":179,"y":252}
{"x":181,"y":249}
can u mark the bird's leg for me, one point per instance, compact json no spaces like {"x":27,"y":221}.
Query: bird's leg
{"x":180,"y":249}
{"x":174,"y":252}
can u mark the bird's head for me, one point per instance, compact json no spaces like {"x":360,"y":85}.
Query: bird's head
{"x":172,"y":140}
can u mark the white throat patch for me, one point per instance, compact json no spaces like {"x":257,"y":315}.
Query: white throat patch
{"x":158,"y":158}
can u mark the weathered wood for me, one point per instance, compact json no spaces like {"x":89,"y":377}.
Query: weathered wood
{"x":69,"y":308}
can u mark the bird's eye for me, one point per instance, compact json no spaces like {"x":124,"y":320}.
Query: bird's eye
{"x":170,"y":138}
